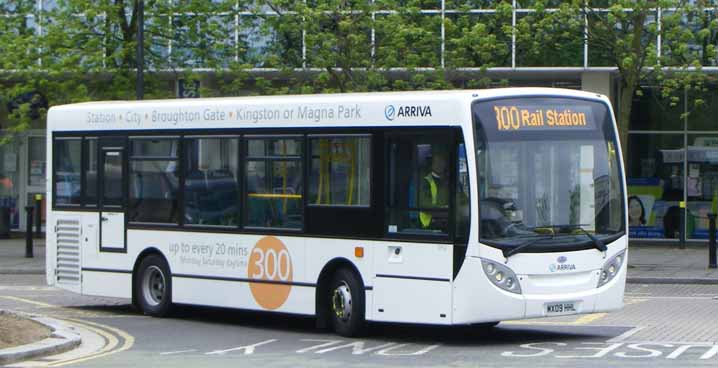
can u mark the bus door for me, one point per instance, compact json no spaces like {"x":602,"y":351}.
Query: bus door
{"x":112,"y":195}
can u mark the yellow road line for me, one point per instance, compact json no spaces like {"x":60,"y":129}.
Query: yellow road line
{"x":76,"y":312}
{"x":590,"y":318}
{"x":629,"y":301}
{"x":583,"y":320}
{"x":28,"y":301}
{"x":100,"y":329}
{"x":111,"y":341}
{"x":109,"y":349}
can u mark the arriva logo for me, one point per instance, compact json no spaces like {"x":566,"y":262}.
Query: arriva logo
{"x":561,"y":267}
{"x":414,"y":111}
{"x":390,"y":112}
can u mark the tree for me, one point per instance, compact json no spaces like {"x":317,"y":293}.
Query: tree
{"x":625,"y":36}
{"x":87,"y":49}
{"x":16,"y":34}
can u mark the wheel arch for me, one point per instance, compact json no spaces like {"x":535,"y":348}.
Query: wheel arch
{"x":322,"y":288}
{"x":144,"y":254}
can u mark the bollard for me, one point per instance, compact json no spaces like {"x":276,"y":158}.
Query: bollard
{"x":712,"y":240}
{"x":28,"y":233}
{"x":682,"y":229}
{"x":38,"y":215}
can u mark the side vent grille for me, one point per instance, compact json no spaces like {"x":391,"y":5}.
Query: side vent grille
{"x":68,"y":251}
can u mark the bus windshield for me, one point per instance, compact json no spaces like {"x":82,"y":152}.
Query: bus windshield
{"x":549,"y":173}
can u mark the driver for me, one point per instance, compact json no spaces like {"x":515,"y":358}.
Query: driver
{"x":434,"y":191}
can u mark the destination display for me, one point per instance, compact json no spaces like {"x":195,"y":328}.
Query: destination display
{"x":512,"y":117}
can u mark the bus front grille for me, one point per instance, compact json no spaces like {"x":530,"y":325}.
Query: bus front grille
{"x":67,"y":233}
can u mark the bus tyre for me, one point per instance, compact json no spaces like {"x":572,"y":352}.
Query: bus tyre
{"x":346,"y":303}
{"x":153,"y":286}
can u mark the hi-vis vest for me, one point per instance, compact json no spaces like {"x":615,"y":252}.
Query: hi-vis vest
{"x":425,"y":217}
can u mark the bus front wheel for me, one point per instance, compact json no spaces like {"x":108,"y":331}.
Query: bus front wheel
{"x":346,"y":303}
{"x":153,"y":286}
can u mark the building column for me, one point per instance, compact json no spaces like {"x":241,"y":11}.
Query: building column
{"x":598,"y":82}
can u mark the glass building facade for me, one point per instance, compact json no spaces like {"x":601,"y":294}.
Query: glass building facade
{"x":672,"y":168}
{"x":434,"y":33}
{"x":672,"y":153}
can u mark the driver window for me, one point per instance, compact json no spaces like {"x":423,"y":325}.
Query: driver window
{"x":419,"y":180}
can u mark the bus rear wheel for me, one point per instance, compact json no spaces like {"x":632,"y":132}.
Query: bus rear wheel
{"x":153,"y":286}
{"x":346,"y":303}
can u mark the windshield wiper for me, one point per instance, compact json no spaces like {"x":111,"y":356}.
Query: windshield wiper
{"x":517,"y":249}
{"x":597,"y":243}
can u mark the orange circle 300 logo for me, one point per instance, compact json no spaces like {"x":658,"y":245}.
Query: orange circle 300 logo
{"x":270,"y":261}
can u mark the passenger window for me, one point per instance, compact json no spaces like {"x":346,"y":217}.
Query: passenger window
{"x":68,"y":169}
{"x":211,"y":191}
{"x":154,"y":147}
{"x":274,"y":182}
{"x":419,"y":179}
{"x":154,"y":181}
{"x":340,"y":172}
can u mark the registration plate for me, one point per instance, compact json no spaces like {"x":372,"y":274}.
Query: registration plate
{"x":561,"y":308}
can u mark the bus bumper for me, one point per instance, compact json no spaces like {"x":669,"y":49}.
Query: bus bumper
{"x":477,"y":300}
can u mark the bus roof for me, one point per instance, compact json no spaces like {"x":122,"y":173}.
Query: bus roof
{"x":319,"y":110}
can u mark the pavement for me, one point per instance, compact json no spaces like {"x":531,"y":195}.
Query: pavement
{"x":648,"y":262}
{"x":62,"y":339}
{"x":662,"y":263}
{"x":13,"y":261}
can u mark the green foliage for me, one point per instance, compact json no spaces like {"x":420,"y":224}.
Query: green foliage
{"x":552,"y":38}
{"x":88,"y":47}
{"x":479,"y":40}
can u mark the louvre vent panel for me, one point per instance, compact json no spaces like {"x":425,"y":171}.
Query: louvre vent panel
{"x":68,"y":251}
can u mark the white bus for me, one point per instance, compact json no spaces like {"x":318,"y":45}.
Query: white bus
{"x":452,"y":207}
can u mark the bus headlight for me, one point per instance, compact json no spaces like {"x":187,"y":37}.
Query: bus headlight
{"x":501,"y":276}
{"x":610,"y":268}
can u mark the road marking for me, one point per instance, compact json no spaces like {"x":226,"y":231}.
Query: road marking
{"x":248,"y":349}
{"x":386,"y":351}
{"x":677,"y":297}
{"x":128,"y":342}
{"x":590,"y":318}
{"x":178,"y":352}
{"x":583,"y":320}
{"x":111,"y":340}
{"x":632,"y":301}
{"x":600,"y":352}
{"x":28,"y":288}
{"x":324,"y":343}
{"x":28,"y":301}
{"x":682,"y":349}
{"x":323,"y":346}
{"x":105,"y":342}
{"x":75,"y":311}
{"x":624,"y":336}
{"x":357,"y":347}
{"x":625,"y":350}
